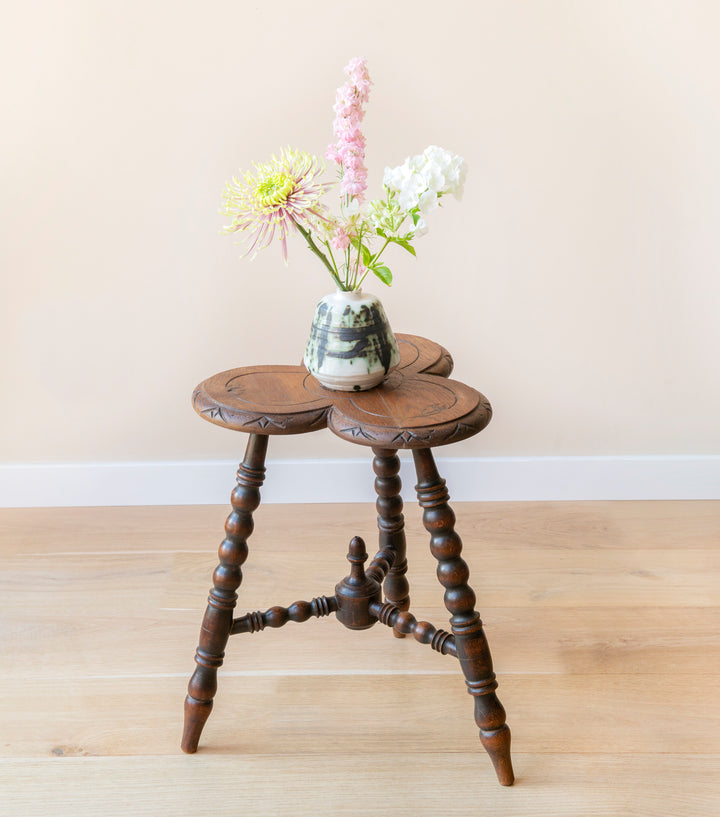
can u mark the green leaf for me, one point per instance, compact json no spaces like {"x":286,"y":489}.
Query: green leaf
{"x":405,"y":244}
{"x":363,"y":250}
{"x":415,"y":217}
{"x":383,"y":273}
{"x":380,"y":232}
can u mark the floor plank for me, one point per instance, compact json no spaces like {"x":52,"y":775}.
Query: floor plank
{"x":566,"y":641}
{"x":457,"y":785}
{"x":603,"y":619}
{"x":303,"y":713}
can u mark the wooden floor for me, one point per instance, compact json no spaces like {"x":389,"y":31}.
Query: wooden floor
{"x":603,"y":620}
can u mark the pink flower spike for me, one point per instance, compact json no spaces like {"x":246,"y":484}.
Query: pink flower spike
{"x":332,"y":154}
{"x":349,"y":150}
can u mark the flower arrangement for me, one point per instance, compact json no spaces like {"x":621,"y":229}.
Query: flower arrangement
{"x":284,"y":195}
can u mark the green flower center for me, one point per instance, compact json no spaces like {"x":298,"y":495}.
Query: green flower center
{"x":274,"y":189}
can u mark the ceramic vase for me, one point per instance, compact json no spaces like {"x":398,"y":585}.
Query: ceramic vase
{"x":351,"y":345}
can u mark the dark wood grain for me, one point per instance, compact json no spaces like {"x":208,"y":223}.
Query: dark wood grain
{"x":262,"y":400}
{"x":410,"y":411}
{"x":391,"y":526}
{"x":417,"y":407}
{"x":470,"y":642}
{"x":423,"y":356}
{"x":218,"y":620}
{"x":288,"y":400}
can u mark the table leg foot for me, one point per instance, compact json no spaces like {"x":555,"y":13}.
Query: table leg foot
{"x":218,"y":621}
{"x":196,"y":714}
{"x":497,"y":745}
{"x":470,"y":641}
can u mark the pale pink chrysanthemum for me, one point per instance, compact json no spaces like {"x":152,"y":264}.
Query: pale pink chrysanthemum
{"x":349,"y":150}
{"x":272,"y":201}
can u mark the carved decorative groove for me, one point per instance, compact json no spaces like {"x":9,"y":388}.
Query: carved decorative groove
{"x":264,"y":422}
{"x":412,"y":437}
{"x":214,"y":413}
{"x":357,"y":431}
{"x":320,"y":420}
{"x":461,"y":431}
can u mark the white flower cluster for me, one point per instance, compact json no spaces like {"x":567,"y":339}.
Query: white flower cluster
{"x":421,"y":180}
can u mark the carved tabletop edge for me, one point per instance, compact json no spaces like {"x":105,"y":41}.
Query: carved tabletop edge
{"x":300,"y":421}
{"x":286,"y":399}
{"x":418,"y":433}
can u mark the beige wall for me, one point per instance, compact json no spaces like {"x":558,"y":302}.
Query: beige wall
{"x":577,"y":284}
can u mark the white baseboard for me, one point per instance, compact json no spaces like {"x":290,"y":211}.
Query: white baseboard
{"x":331,"y":480}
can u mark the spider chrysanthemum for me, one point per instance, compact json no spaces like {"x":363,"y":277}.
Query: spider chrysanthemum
{"x":272,"y":200}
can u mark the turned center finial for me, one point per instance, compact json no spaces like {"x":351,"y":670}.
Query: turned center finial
{"x":357,"y":556}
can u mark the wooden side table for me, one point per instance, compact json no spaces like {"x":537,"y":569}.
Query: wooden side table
{"x":416,"y":408}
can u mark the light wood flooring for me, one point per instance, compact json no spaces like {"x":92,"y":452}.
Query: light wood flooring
{"x":603,"y":620}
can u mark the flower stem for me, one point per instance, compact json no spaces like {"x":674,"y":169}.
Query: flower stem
{"x":332,"y":257}
{"x":320,"y":254}
{"x":357,"y":259}
{"x":380,"y":251}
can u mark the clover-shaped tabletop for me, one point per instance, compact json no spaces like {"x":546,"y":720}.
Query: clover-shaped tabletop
{"x":417,"y":406}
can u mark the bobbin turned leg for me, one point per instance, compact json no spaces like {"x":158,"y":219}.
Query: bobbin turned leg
{"x":218,"y":619}
{"x":470,"y":641}
{"x":388,"y":485}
